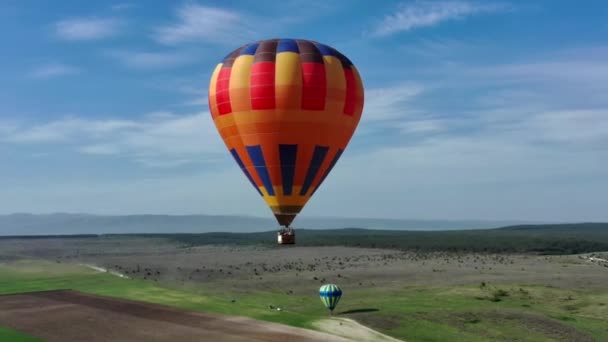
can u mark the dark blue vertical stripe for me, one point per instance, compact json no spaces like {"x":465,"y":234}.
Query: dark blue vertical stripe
{"x":288,"y":154}
{"x":331,"y":166}
{"x":250,"y":49}
{"x":317,"y":159}
{"x":324,"y":49}
{"x":242,"y":166}
{"x":287,"y":45}
{"x":257,"y":157}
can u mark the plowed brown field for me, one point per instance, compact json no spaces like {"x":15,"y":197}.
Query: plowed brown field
{"x":74,"y":316}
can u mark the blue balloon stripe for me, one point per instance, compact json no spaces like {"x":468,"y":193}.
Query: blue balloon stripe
{"x":239,"y":161}
{"x":257,"y":157}
{"x":317,"y":160}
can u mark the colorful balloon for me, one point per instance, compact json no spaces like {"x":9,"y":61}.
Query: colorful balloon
{"x":330,"y":295}
{"x":286,"y":110}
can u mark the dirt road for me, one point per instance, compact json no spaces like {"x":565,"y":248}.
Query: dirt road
{"x":73,"y":316}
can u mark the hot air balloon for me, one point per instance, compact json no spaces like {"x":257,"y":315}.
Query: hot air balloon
{"x":286,"y":109}
{"x":330,"y":295}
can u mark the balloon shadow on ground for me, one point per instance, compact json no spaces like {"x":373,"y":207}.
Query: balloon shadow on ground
{"x":358,"y":311}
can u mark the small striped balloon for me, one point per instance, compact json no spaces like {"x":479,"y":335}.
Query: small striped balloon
{"x":330,"y":295}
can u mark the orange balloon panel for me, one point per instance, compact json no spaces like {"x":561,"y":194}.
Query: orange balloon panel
{"x":286,"y":109}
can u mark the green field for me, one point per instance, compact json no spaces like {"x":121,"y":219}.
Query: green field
{"x":9,"y":335}
{"x":554,"y":239}
{"x":545,"y":239}
{"x":461,"y":313}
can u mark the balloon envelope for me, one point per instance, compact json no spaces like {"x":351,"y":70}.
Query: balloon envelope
{"x":286,"y":110}
{"x":330,"y":295}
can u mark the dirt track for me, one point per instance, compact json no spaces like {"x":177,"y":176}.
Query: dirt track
{"x":74,"y":316}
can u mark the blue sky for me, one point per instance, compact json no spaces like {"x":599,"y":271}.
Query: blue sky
{"x":474,"y":109}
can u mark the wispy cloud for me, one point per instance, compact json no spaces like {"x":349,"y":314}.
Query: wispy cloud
{"x":7,"y":128}
{"x":573,"y":70}
{"x":53,"y":70}
{"x":190,"y":88}
{"x":87,"y":28}
{"x":429,"y":13}
{"x":164,"y":164}
{"x":424,"y":126}
{"x":542,"y":144}
{"x":198,"y":101}
{"x":65,"y":130}
{"x":490,"y":170}
{"x":556,"y":81}
{"x":581,"y":127}
{"x":51,"y":132}
{"x":494,"y":134}
{"x":389,"y":103}
{"x":122,"y":6}
{"x":217,"y":25}
{"x":99,"y":149}
{"x":181,"y":194}
{"x":150,"y":60}
{"x":203,"y":23}
{"x":161,"y":138}
{"x":444,"y":48}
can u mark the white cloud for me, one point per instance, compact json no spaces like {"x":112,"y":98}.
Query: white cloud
{"x":575,"y":69}
{"x":178,"y":136}
{"x":549,"y":166}
{"x":157,"y":139}
{"x":429,"y":13}
{"x":6,"y":128}
{"x":527,"y":146}
{"x":382,"y":104}
{"x":206,"y":192}
{"x":189,"y":89}
{"x":66,"y":130}
{"x":198,"y":101}
{"x":161,"y":115}
{"x":494,"y":142}
{"x":443,"y":50}
{"x":164,"y":164}
{"x":53,"y":70}
{"x":581,"y":69}
{"x":99,"y":149}
{"x":422,"y":126}
{"x":122,"y":6}
{"x":202,"y":23}
{"x":193,"y":85}
{"x":87,"y":28}
{"x":50,"y":132}
{"x":526,"y":140}
{"x":569,"y":127}
{"x":489,"y":157}
{"x":151,"y":60}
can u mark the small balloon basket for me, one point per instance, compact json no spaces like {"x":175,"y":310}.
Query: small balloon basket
{"x":286,"y":236}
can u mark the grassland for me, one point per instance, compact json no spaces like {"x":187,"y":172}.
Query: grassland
{"x":464,"y":313}
{"x":521,"y":283}
{"x":413,"y":295}
{"x":546,"y":239}
{"x":15,"y":336}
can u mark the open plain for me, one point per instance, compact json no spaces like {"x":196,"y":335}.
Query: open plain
{"x":409,"y":295}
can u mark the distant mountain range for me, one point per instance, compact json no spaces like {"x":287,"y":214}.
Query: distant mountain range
{"x":62,"y":223}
